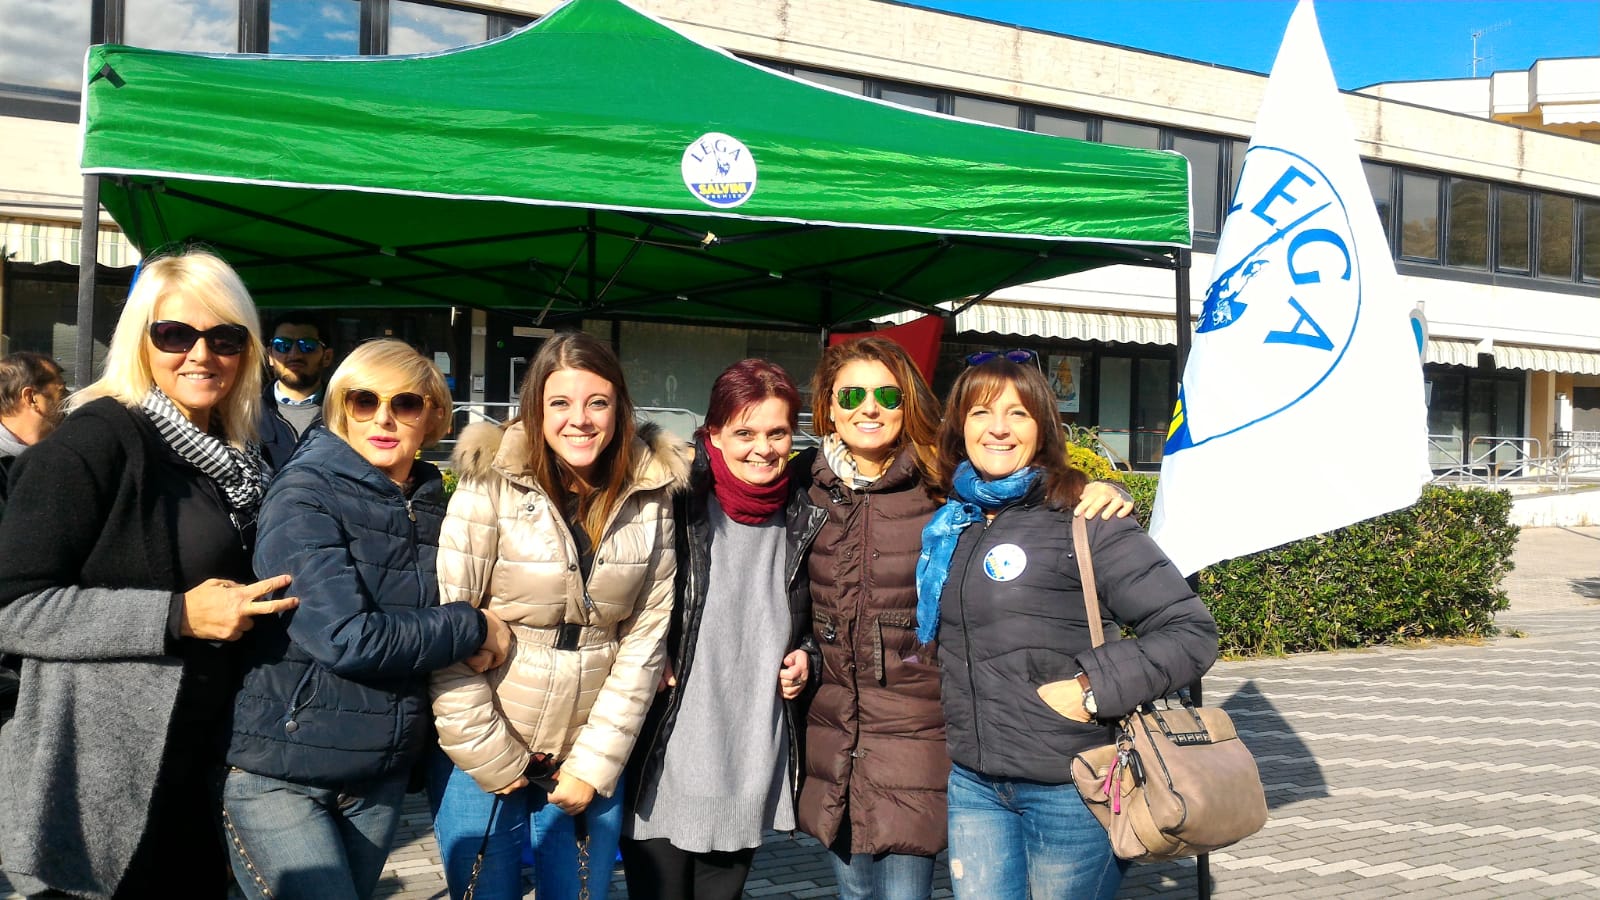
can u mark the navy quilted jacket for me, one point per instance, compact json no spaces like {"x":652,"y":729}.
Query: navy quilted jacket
{"x":336,"y":691}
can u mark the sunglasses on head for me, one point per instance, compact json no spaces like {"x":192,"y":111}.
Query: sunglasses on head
{"x":888,"y":396}
{"x":1020,"y":356}
{"x":305,"y":345}
{"x":363,"y":404}
{"x":179,"y":337}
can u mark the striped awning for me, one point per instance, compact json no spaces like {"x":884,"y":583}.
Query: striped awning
{"x":1546,"y":359}
{"x":43,"y":242}
{"x":1060,"y":322}
{"x":1445,"y":351}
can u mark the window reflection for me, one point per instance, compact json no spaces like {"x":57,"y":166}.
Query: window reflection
{"x":1127,"y":134}
{"x":1468,"y":243}
{"x":210,"y":26}
{"x":1205,"y":164}
{"x":992,"y":111}
{"x":1591,"y":242}
{"x":1061,"y":126}
{"x":915,"y":99}
{"x":837,"y":82}
{"x":1380,"y":179}
{"x":1419,"y":212}
{"x":41,"y":44}
{"x":419,"y":28}
{"x":315,"y":27}
{"x":1513,"y":237}
{"x":1555,"y":237}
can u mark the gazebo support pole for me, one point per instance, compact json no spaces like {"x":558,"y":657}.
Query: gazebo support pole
{"x":1202,"y":863}
{"x":88,"y":263}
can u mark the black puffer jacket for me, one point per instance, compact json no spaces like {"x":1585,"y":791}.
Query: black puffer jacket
{"x":337,"y":690}
{"x":1001,"y":639}
{"x":691,"y":515}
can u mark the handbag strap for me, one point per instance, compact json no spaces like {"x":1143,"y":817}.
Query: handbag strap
{"x":483,"y":846}
{"x":1091,"y":596}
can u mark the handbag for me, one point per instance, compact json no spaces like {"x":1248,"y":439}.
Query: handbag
{"x":1177,"y":781}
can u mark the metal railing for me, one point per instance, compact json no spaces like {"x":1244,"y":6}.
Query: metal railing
{"x":1516,"y":461}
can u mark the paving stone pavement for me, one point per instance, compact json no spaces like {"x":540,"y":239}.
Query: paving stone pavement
{"x":1461,"y":770}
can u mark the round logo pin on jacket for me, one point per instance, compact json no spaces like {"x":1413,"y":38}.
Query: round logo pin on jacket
{"x":1004,"y":562}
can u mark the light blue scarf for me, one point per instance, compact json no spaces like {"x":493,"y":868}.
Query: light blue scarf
{"x":972,"y":495}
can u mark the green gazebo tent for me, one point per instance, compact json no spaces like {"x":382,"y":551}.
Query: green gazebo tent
{"x":598,"y":163}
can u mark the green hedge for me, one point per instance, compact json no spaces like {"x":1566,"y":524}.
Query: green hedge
{"x":1432,"y":570}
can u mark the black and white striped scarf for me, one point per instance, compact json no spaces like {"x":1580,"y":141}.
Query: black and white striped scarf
{"x":240,"y":473}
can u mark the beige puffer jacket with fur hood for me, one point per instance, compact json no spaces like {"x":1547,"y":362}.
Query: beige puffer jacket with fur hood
{"x":505,"y":545}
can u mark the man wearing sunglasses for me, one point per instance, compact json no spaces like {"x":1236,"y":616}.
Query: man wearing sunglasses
{"x":292,"y":404}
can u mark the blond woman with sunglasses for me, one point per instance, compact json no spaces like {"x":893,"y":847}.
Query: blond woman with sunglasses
{"x":334,"y":711}
{"x":125,"y":573}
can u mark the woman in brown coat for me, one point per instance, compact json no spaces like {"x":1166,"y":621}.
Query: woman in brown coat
{"x":876,"y":765}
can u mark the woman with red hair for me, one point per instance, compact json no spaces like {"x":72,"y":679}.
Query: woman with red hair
{"x":718,"y":760}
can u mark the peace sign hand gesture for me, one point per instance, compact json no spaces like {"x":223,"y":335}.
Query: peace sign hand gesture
{"x":220,"y":610}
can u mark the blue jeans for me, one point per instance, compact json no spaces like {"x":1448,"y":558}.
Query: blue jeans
{"x":461,"y":813}
{"x":295,"y":840}
{"x":1016,"y":838}
{"x":886,"y":876}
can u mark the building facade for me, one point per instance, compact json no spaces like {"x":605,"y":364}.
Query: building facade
{"x":1492,"y":210}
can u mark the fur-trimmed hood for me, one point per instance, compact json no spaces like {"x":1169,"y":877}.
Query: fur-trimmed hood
{"x":485,"y":450}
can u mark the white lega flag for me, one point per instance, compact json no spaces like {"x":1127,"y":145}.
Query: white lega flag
{"x":1301,"y":408}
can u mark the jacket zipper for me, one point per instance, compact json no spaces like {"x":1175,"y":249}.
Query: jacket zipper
{"x":966,"y":644}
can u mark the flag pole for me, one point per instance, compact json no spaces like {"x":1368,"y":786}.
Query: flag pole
{"x":1202,"y":863}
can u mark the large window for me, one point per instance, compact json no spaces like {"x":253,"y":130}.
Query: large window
{"x":315,"y":27}
{"x":1555,"y":237}
{"x":207,"y":26}
{"x":42,"y":44}
{"x":421,"y":28}
{"x":1514,"y":234}
{"x":1469,"y":411}
{"x":1467,"y":244}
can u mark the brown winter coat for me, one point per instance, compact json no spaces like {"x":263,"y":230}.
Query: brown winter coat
{"x":875,"y":744}
{"x":506,"y":546}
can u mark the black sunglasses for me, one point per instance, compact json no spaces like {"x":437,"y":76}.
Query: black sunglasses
{"x":305,"y":345}
{"x":1020,"y":356}
{"x":363,"y":404}
{"x":179,"y":337}
{"x":888,"y":396}
{"x":541,"y":771}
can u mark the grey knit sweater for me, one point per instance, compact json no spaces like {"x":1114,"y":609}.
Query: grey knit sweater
{"x":724,"y":779}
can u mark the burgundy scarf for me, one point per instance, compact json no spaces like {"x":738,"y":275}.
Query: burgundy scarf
{"x":746,"y":503}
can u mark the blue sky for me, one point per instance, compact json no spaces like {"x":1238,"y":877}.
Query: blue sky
{"x":1368,"y":40}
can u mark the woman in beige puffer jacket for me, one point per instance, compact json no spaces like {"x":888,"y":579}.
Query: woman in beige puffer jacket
{"x":587,"y":652}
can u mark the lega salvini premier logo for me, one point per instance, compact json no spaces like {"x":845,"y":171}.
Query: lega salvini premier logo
{"x":720,"y":170}
{"x":1277,"y":320}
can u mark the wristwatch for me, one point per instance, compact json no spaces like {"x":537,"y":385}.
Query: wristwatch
{"x":1088,"y":693}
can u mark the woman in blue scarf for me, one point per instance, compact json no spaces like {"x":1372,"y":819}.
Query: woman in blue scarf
{"x":997,"y":583}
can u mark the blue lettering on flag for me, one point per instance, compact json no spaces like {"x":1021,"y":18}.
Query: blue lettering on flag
{"x":1281,"y":314}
